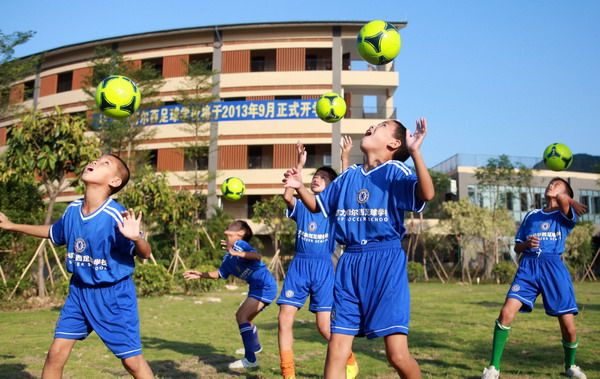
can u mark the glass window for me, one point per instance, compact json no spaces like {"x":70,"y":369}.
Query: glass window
{"x":524,"y":202}
{"x":65,"y":81}
{"x":260,"y":156}
{"x":28,"y":90}
{"x":195,"y":158}
{"x":154,"y":63}
{"x":262,"y":60}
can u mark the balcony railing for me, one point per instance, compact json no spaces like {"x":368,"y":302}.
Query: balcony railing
{"x":371,"y":112}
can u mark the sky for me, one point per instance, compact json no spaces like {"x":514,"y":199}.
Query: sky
{"x":491,"y":77}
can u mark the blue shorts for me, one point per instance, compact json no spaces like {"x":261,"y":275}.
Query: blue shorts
{"x":548,"y":276}
{"x":371,"y":296}
{"x":263,"y":287}
{"x":111,"y":311}
{"x":309,"y":275}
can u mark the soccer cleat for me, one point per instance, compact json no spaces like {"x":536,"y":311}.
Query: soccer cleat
{"x":490,"y":373}
{"x":243,"y":363}
{"x":575,"y":372}
{"x":242,"y":351}
{"x":351,"y":371}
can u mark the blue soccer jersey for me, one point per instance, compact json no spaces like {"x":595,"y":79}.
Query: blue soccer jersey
{"x":313,"y":235}
{"x":552,"y":229}
{"x":262,"y":284}
{"x":372,"y":205}
{"x":97,"y":252}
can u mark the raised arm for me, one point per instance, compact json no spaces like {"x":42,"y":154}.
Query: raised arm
{"x":565,"y":202}
{"x":288,"y":193}
{"x":425,"y":189}
{"x":131,"y":230}
{"x":40,"y":231}
{"x":346,"y":146}
{"x":193,"y":274}
{"x":293,"y":179}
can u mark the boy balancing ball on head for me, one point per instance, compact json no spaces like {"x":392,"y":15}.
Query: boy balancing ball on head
{"x":367,"y":204}
{"x":311,"y":271}
{"x":102,"y":238}
{"x":243,"y":261}
{"x":541,"y":240}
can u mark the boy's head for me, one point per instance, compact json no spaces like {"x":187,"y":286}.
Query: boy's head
{"x":322,"y":178}
{"x":389,"y":135}
{"x":239,"y":230}
{"x":108,"y":170}
{"x":558,"y":186}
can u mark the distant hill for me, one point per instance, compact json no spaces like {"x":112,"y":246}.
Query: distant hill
{"x":581,"y":163}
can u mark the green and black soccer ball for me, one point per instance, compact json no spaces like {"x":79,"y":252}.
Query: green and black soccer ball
{"x":558,"y":157}
{"x":331,"y":107}
{"x":378,"y":42}
{"x":117,"y":97}
{"x":233,"y":188}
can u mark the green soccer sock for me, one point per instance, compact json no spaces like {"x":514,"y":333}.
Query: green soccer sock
{"x":500,"y":337}
{"x":570,"y":351}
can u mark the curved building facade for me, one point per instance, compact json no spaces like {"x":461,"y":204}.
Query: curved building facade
{"x":269,"y":75}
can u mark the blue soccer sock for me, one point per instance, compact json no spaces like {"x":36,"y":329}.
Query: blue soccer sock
{"x":247,"y":332}
{"x":257,"y":346}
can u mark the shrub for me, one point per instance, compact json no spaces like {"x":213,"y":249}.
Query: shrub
{"x":505,"y":271}
{"x":152,"y":280}
{"x":415,"y":271}
{"x":190,"y":287}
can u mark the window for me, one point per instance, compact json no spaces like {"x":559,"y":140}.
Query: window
{"x":291,"y":97}
{"x":262,"y":60}
{"x":206,"y":58}
{"x":242,"y":98}
{"x":252,"y":199}
{"x":28,"y":90}
{"x":537,"y":198}
{"x":596,"y":205}
{"x":152,"y":158}
{"x":65,"y":81}
{"x":260,"y":156}
{"x":585,"y":200}
{"x":317,"y":156}
{"x":318,"y":59}
{"x":509,"y":201}
{"x":154,"y":63}
{"x":171,"y":102}
{"x":524,"y":202}
{"x":195,"y":158}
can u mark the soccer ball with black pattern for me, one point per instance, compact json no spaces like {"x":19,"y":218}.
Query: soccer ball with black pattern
{"x":233,"y":188}
{"x":558,"y":157}
{"x":378,"y":42}
{"x":331,"y":107}
{"x":117,"y":97}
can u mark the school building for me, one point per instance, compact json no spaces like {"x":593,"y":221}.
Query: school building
{"x":519,"y":200}
{"x":269,"y":77}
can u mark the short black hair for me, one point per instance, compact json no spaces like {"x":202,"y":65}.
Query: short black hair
{"x":402,"y":153}
{"x":247,"y":230}
{"x":569,"y":189}
{"x":124,"y":174}
{"x":331,"y":172}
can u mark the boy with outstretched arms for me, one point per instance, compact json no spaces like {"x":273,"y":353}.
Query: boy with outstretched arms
{"x":243,"y":261}
{"x":367,"y":204}
{"x":311,"y":271}
{"x":102,"y":239}
{"x":541,"y":241}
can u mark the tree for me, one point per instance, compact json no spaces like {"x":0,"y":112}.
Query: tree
{"x":579,"y":248}
{"x":271,"y":212}
{"x":12,"y":70}
{"x":53,"y":147}
{"x":441,"y":182}
{"x":475,"y":228}
{"x":121,"y":137}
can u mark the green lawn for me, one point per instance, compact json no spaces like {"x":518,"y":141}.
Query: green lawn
{"x":451,"y":332}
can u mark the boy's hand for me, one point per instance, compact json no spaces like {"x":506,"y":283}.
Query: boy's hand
{"x":579,"y":208}
{"x":414,"y":141}
{"x":5,"y":223}
{"x":346,"y":145}
{"x":301,"y":155}
{"x":192,"y":274}
{"x":292,"y":179}
{"x":532,"y":242}
{"x":131,"y":225}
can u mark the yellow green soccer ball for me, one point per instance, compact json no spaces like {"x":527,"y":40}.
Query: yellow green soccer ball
{"x":558,"y":157}
{"x":331,"y":107}
{"x":378,"y":42}
{"x":233,"y":188}
{"x":117,"y":97}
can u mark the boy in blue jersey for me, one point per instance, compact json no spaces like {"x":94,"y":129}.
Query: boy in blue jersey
{"x":102,"y":239}
{"x":541,"y":240}
{"x":243,"y":261}
{"x":311,"y":270}
{"x":367,"y":204}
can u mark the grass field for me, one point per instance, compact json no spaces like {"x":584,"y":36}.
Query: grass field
{"x":450,"y":336}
